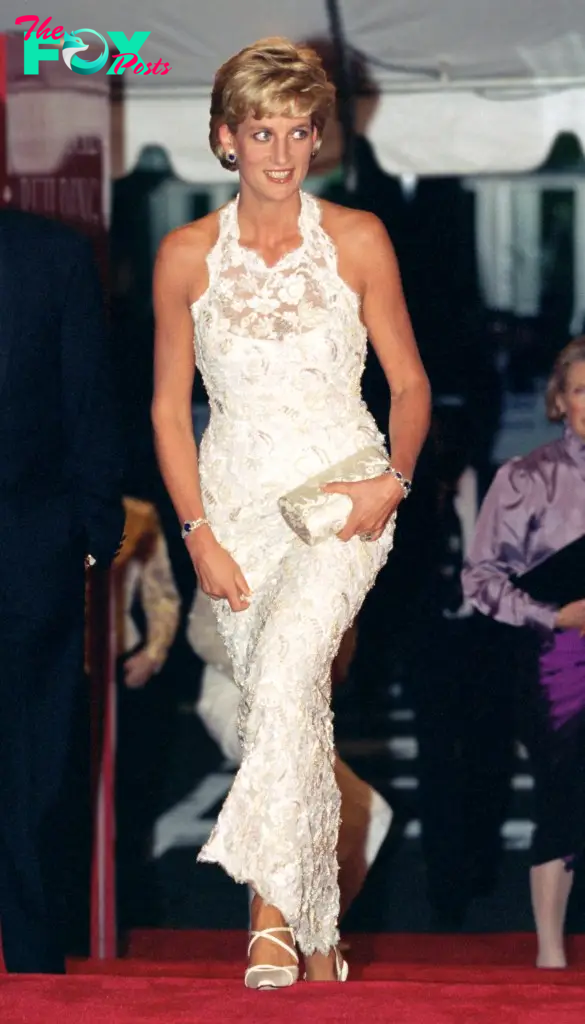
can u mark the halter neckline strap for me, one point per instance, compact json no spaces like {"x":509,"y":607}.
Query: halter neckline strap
{"x":309,"y":219}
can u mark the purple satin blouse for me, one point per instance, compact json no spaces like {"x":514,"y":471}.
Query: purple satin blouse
{"x":534,"y":507}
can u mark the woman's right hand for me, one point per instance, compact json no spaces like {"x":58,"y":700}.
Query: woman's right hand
{"x":572,"y":616}
{"x":218,"y":573}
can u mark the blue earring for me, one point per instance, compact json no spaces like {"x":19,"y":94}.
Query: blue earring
{"x":231,"y":158}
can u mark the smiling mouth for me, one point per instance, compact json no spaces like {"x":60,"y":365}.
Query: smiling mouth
{"x":279,"y":175}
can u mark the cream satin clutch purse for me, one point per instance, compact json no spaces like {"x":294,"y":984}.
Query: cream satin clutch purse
{"x":315,"y":516}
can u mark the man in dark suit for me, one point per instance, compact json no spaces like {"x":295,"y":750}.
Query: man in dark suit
{"x":60,"y":501}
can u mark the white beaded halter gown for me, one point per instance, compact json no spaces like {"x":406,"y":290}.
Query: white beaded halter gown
{"x":281,"y":351}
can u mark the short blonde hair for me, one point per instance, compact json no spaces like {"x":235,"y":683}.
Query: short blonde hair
{"x":270,"y":78}
{"x":573,"y":353}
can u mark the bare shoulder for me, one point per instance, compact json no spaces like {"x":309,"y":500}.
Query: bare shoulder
{"x":356,"y":228}
{"x":365,"y":254}
{"x":191,"y":240}
{"x":183,"y":252}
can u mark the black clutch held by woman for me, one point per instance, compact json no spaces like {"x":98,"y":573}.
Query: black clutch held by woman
{"x":560,"y":579}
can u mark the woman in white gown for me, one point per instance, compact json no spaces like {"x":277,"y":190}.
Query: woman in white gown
{"x":273,"y":297}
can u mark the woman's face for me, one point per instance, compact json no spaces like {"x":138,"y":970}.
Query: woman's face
{"x":273,"y":153}
{"x":572,"y":400}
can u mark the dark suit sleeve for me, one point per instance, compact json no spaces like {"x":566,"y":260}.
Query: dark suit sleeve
{"x":95,"y":459}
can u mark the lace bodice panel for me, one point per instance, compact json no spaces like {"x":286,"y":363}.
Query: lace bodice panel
{"x":272,"y":340}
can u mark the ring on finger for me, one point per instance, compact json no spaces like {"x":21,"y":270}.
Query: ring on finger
{"x":366,"y":536}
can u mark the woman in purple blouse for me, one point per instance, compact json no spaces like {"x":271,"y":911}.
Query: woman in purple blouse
{"x":534,"y":508}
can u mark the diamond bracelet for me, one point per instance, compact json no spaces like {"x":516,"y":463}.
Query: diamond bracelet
{"x":191,"y":526}
{"x":402,"y":480}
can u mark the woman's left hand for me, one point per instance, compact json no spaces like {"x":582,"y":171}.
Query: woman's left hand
{"x":374,"y":501}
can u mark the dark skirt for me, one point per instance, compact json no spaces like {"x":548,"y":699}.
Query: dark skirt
{"x":552,"y":717}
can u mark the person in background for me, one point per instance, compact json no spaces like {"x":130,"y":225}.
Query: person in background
{"x":145,"y":569}
{"x":148,"y":607}
{"x":365,"y":815}
{"x":534,"y":508}
{"x":61,"y":469}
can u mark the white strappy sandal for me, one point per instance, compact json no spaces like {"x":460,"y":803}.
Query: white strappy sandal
{"x":267,"y":976}
{"x":341,"y":967}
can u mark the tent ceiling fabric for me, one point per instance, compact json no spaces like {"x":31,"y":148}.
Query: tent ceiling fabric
{"x":438,"y":65}
{"x":469,"y":38}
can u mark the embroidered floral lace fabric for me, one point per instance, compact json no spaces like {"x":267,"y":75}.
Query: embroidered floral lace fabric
{"x":281,"y":350}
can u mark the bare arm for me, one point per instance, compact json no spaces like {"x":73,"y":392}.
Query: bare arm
{"x":174,"y":371}
{"x":372,"y":265}
{"x":180,"y":259}
{"x":389,"y":328}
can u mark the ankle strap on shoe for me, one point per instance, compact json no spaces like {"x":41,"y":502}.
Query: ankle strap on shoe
{"x":268,"y":933}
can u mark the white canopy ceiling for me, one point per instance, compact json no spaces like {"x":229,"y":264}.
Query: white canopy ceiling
{"x":466,"y":86}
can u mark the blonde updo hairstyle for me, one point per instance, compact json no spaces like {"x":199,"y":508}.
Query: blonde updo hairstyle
{"x":573,"y":353}
{"x":270,"y":78}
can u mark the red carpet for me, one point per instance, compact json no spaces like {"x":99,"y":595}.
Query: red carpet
{"x":185,"y":977}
